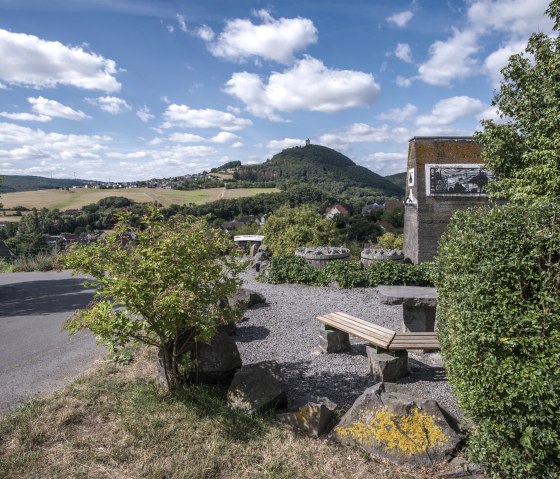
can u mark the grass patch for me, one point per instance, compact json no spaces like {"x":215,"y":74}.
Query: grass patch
{"x":117,"y":422}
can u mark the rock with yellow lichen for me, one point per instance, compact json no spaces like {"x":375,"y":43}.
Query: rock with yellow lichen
{"x":313,"y":418}
{"x":398,"y":427}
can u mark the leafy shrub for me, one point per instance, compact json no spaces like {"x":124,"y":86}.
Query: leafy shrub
{"x":348,"y":274}
{"x":289,"y":269}
{"x":39,"y":262}
{"x":390,"y":241}
{"x":393,"y":273}
{"x":499,"y":324}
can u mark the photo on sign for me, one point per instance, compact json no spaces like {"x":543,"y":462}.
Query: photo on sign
{"x":457,"y":180}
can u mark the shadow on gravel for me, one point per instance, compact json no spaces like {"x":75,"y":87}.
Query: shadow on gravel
{"x":45,"y":297}
{"x":246,"y":334}
{"x":418,"y":371}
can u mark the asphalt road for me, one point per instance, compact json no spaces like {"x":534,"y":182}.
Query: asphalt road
{"x":36,"y":355}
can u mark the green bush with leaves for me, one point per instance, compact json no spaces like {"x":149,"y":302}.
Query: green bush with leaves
{"x":289,"y":269}
{"x":290,"y":228}
{"x":403,"y":274}
{"x":157,"y":284}
{"x":498,"y":279}
{"x":348,"y":274}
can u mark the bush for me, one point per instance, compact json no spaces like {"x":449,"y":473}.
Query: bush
{"x":499,"y":328}
{"x":289,"y":269}
{"x":348,"y":274}
{"x":39,"y":262}
{"x":404,"y":274}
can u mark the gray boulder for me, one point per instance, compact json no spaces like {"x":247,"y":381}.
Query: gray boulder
{"x":398,"y":427}
{"x":313,"y":418}
{"x":245,"y":298}
{"x":217,"y":361}
{"x":258,"y":387}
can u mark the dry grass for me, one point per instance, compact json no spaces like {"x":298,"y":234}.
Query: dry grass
{"x":116,"y":422}
{"x":76,"y":198}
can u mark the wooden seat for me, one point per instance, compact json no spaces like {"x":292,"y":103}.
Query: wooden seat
{"x":377,"y":335}
{"x":414,"y":341}
{"x":371,"y":333}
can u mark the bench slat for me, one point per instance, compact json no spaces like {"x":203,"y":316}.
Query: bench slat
{"x":359,"y":330}
{"x":390,"y":332}
{"x":379,"y":330}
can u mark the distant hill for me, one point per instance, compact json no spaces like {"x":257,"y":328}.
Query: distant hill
{"x":398,"y":179}
{"x":14,"y":183}
{"x":323,"y":168}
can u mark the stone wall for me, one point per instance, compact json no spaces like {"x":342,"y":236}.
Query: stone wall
{"x":444,"y":174}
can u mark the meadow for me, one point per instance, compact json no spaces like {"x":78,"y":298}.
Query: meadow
{"x":79,"y":197}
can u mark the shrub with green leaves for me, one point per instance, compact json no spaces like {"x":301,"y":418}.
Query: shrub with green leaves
{"x":348,"y":274}
{"x":403,"y":274}
{"x":498,"y":279}
{"x":289,"y":269}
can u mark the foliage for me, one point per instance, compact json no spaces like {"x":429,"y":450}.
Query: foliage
{"x":348,"y":274}
{"x":523,"y":151}
{"x":390,"y":241}
{"x":38,"y":262}
{"x":226,"y":166}
{"x":157,"y":283}
{"x":290,"y":228}
{"x":499,"y":324}
{"x":393,"y":273}
{"x":358,"y":227}
{"x":320,"y":167}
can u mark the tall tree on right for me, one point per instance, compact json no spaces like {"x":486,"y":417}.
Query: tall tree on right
{"x":524,"y":150}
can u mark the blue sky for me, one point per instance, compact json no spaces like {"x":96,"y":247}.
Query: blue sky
{"x":137,"y":89}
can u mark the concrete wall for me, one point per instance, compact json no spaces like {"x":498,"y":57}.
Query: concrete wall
{"x":427,"y":213}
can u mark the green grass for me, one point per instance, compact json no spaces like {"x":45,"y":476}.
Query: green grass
{"x":117,"y":422}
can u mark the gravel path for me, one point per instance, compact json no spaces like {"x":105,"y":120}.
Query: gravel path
{"x":284,"y":330}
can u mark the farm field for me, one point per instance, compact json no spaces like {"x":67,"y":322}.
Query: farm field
{"x":76,"y":198}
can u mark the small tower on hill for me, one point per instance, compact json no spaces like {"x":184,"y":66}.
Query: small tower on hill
{"x":307,"y":142}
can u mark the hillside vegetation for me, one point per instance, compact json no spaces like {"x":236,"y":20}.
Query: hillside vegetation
{"x":323,"y":168}
{"x":398,"y":179}
{"x":13,"y":183}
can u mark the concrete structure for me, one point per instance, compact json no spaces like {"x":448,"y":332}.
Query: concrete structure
{"x":444,"y":174}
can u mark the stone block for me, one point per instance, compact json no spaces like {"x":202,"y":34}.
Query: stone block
{"x":419,"y":319}
{"x":313,"y":418}
{"x":333,"y":341}
{"x":387,"y":366}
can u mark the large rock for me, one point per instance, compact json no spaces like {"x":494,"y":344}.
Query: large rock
{"x":313,"y":418}
{"x":258,"y":387}
{"x":217,"y":361}
{"x":398,"y":427}
{"x":245,"y":298}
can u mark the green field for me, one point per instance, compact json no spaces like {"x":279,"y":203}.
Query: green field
{"x":76,"y":198}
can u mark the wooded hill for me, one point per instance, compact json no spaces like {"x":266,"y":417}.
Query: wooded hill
{"x":398,"y":179}
{"x":13,"y":183}
{"x":323,"y":168}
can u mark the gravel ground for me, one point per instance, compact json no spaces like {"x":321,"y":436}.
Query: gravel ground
{"x":285,"y":330}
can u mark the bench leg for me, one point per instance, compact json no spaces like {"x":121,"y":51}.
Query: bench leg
{"x":387,"y":366}
{"x":333,"y":341}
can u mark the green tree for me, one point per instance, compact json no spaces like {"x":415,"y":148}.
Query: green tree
{"x":524,"y":152}
{"x":157,"y":284}
{"x":290,"y":228}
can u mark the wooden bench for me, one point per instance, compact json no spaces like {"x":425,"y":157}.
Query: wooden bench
{"x":379,"y":336}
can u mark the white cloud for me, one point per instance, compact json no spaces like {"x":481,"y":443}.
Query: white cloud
{"x":183,"y":116}
{"x":237,"y":144}
{"x":447,"y":111}
{"x":224,"y":137}
{"x":450,"y":59}
{"x":54,"y":109}
{"x":400,"y":19}
{"x":170,"y":28}
{"x":403,"y":52}
{"x":273,"y":39}
{"x":205,"y":33}
{"x":403,"y":82}
{"x":110,"y":104}
{"x":31,"y":61}
{"x":181,"y":22}
{"x":398,"y":115}
{"x":144,"y":114}
{"x":277,"y":145}
{"x":185,"y":138}
{"x":308,"y":85}
{"x":386,"y":163}
{"x":361,"y":133}
{"x":25,"y":116}
{"x":499,"y":59}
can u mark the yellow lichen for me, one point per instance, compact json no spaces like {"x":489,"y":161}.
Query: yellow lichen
{"x":410,"y":434}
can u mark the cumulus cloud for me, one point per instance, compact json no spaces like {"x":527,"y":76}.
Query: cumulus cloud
{"x":184,"y":138}
{"x":362,"y":132}
{"x":31,"y":61}
{"x":499,"y":59}
{"x":110,"y":104}
{"x":54,"y":109}
{"x":404,"y":52}
{"x":183,"y":116}
{"x":400,"y":19}
{"x":181,"y":22}
{"x":273,"y":39}
{"x":403,"y":82}
{"x":308,"y":85}
{"x":277,"y":145}
{"x":386,"y":162}
{"x":398,"y":115}
{"x":25,"y":116}
{"x":450,"y":59}
{"x":205,"y":33}
{"x":144,"y":114}
{"x":447,"y":111}
{"x":224,"y":137}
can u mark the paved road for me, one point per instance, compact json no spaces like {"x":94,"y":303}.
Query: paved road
{"x":36,"y":356}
